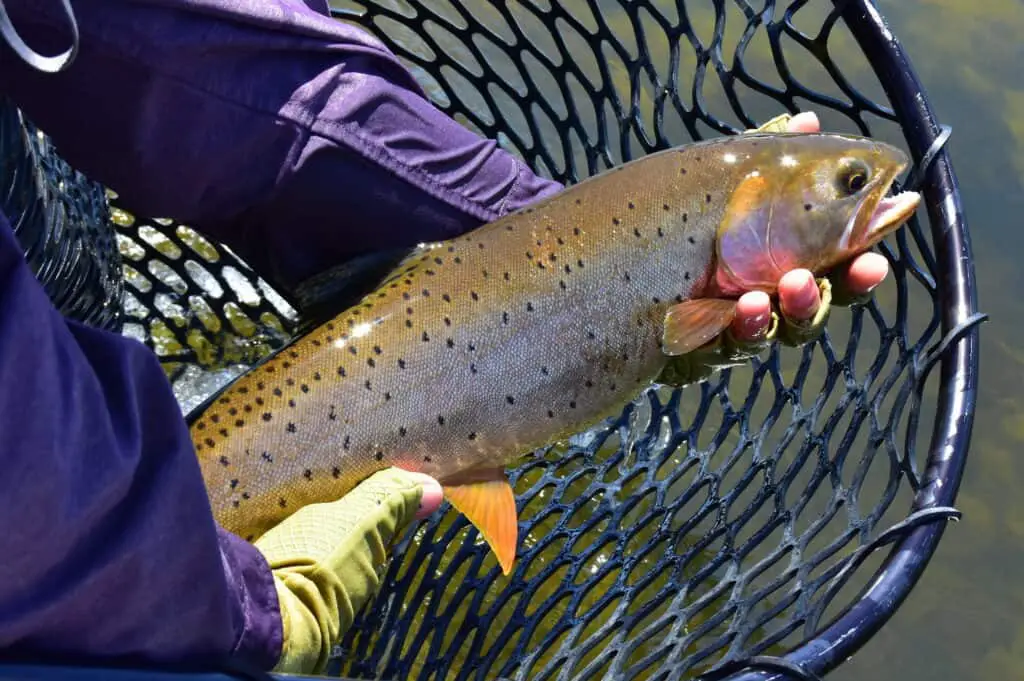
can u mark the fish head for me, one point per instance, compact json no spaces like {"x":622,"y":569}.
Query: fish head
{"x":806,"y":200}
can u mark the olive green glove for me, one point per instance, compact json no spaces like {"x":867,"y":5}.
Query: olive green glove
{"x":726,"y":351}
{"x":327,"y":561}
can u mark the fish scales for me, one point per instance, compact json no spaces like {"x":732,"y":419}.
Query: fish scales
{"x":479,"y":350}
{"x":533,"y":327}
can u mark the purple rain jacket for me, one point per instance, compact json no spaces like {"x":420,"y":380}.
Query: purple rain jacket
{"x":293,"y":138}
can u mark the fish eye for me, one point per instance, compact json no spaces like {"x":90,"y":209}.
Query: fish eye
{"x":854,"y":175}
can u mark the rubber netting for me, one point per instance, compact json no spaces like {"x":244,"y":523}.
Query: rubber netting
{"x":702,"y":526}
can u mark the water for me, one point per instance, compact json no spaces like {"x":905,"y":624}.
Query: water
{"x":963,"y":619}
{"x":961,"y":622}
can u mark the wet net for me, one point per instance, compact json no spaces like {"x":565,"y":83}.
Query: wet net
{"x":731,"y":529}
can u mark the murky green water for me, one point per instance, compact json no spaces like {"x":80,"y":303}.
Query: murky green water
{"x":964,"y":619}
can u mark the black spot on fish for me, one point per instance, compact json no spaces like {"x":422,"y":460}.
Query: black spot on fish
{"x":316,"y":375}
{"x":379,"y":456}
{"x":541,"y":266}
{"x":447,"y":321}
{"x":282,"y":503}
{"x":679,"y":298}
{"x":474,"y":295}
{"x":368,"y":385}
{"x":270,"y":369}
{"x":529,"y":307}
{"x":406,"y":296}
{"x":615,"y":221}
{"x":335,"y":472}
{"x":636,"y":232}
{"x":332,"y":413}
{"x":259,"y":401}
{"x":199,"y":448}
{"x":510,"y":399}
{"x":682,"y":171}
{"x":200,"y":426}
{"x":686,"y":276}
{"x":578,"y":202}
{"x":304,"y":388}
{"x":529,"y":255}
{"x":401,"y":364}
{"x":342,"y":372}
{"x":353,"y":349}
{"x":551,"y":414}
{"x":509,"y":228}
{"x":625,"y":275}
{"x":439,"y":261}
{"x":560,"y":241}
{"x":552,"y":257}
{"x":561,"y":284}
{"x":471,"y":347}
{"x":451,"y":249}
{"x":589,"y":383}
{"x":656,"y":300}
{"x":572,"y":404}
{"x":446,"y":298}
{"x":440,"y":420}
{"x":235,"y":503}
{"x":247,"y":408}
{"x":370,"y":362}
{"x":691,"y":239}
{"x":243,"y":390}
{"x":472,"y":368}
{"x":506,"y":275}
{"x":290,"y":427}
{"x":611,"y":387}
{"x":245,"y":495}
{"x":664,"y":207}
{"x":233,"y":483}
{"x":289,"y":381}
{"x":450,"y":342}
{"x":686,"y":217}
{"x":590,"y":335}
{"x":576,"y":231}
{"x":427,"y":459}
{"x":472,"y":436}
{"x":267,"y":416}
{"x":408,"y":310}
{"x":307,"y":474}
{"x":485,"y":273}
{"x":209,"y":442}
{"x":239,"y":423}
{"x":260,"y":385}
{"x":408,"y":323}
{"x":429,"y":273}
{"x":223,"y":432}
{"x":661,"y":232}
{"x":315,"y":343}
{"x":707,"y":198}
{"x":579,"y":263}
{"x":544,"y":370}
{"x":568,"y":270}
{"x":402,"y":431}
{"x":295,"y":355}
{"x":232,"y":411}
{"x":291,"y":403}
{"x":224,"y":461}
{"x":539,"y":242}
{"x":268,"y":457}
{"x":277,"y":392}
{"x":426,"y":338}
{"x":807,"y":207}
{"x":346,"y":443}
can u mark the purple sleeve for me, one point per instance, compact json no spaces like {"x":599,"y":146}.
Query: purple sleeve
{"x":296,"y":139}
{"x":109,"y":545}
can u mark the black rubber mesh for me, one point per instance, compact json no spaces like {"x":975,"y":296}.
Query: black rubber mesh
{"x":704,"y":525}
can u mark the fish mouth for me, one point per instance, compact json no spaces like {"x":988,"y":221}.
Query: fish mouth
{"x":890,"y":212}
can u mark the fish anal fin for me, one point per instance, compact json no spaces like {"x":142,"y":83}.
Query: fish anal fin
{"x":487,"y":500}
{"x":693,"y":323}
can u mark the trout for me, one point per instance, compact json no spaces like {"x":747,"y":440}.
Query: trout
{"x":481,"y":349}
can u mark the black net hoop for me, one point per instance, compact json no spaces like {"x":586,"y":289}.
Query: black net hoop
{"x":729,"y":530}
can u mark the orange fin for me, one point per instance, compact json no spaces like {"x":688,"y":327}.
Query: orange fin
{"x":691,"y":324}
{"x":490,"y":505}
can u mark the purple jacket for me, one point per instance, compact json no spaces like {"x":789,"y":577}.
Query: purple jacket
{"x":295,"y":139}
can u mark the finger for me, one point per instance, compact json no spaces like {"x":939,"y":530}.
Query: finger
{"x":806,"y":121}
{"x":433,"y":494}
{"x":799,"y":297}
{"x":753,"y":316}
{"x":866,"y":272}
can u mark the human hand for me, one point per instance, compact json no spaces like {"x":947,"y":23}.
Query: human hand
{"x":327,"y":560}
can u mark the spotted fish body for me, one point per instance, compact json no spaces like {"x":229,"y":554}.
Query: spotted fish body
{"x":479,"y":349}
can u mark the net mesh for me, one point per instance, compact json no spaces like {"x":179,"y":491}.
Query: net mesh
{"x":703,"y":525}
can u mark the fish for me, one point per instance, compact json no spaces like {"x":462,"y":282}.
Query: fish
{"x":478,"y":350}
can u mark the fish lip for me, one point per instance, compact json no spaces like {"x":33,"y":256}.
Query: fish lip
{"x":890,"y":212}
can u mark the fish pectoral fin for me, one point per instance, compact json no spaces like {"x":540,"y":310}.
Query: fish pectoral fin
{"x":693,"y":323}
{"x":490,"y":505}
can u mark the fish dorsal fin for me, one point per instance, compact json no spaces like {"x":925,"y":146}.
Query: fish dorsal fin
{"x":693,"y":323}
{"x":487,"y":500}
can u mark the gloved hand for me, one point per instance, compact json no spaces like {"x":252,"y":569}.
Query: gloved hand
{"x":327,"y":560}
{"x":729,"y":350}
